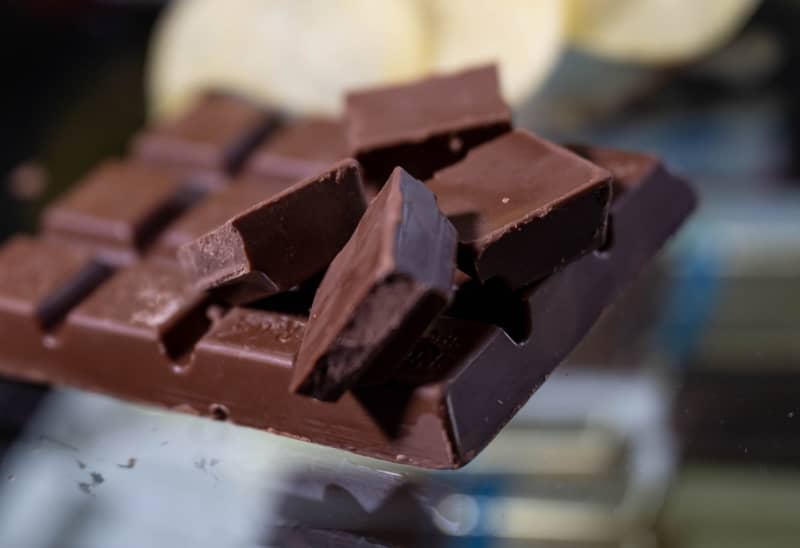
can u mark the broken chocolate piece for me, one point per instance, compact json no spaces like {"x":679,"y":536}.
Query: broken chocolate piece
{"x":521,"y":196}
{"x":216,"y":208}
{"x":425,"y":125}
{"x":118,"y":209}
{"x":281,"y":242}
{"x":299,"y":150}
{"x":380,"y":293}
{"x":212,"y":138}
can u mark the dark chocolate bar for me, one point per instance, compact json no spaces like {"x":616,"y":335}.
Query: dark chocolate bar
{"x":141,"y":336}
{"x":216,"y":208}
{"x":521,"y":196}
{"x":119,"y":208}
{"x":208,"y":141}
{"x":300,"y":149}
{"x":380,"y":293}
{"x":425,"y":125}
{"x":283,"y":241}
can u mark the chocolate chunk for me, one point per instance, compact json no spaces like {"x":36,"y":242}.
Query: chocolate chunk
{"x":521,"y":196}
{"x":212,"y":138}
{"x":40,"y":281}
{"x":425,"y":125}
{"x":136,"y":330}
{"x":282,"y":241}
{"x":299,"y":150}
{"x":380,"y":293}
{"x":216,"y":208}
{"x":118,"y":209}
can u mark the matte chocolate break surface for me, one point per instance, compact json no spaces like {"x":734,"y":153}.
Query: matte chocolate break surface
{"x":380,"y":293}
{"x":425,"y":125}
{"x":521,"y":196}
{"x":283,"y":241}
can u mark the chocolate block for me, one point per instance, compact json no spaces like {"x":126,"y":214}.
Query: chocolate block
{"x":459,"y":385}
{"x":118,"y":209}
{"x":381,"y":291}
{"x":299,"y":150}
{"x":518,"y":196}
{"x":282,"y":241}
{"x":40,"y":281}
{"x":425,"y":125}
{"x":211,"y":139}
{"x":216,"y":208}
{"x":136,"y":331}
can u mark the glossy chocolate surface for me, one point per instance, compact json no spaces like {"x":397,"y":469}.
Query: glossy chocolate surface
{"x":282,"y":241}
{"x":424,"y":125}
{"x":520,"y":195}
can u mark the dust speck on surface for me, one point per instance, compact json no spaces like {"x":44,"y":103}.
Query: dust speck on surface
{"x":11,"y":477}
{"x":200,"y":464}
{"x":87,"y":487}
{"x":128,"y":465}
{"x":81,"y":464}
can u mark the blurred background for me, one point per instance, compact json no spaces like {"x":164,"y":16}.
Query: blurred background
{"x":675,"y":424}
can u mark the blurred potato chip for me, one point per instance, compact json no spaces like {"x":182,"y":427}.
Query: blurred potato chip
{"x":525,"y":37}
{"x":300,"y":54}
{"x":655,"y":31}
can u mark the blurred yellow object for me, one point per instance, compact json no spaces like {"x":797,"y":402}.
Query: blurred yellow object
{"x":303,"y":54}
{"x":655,"y":31}
{"x":524,"y":37}
{"x":299,"y":54}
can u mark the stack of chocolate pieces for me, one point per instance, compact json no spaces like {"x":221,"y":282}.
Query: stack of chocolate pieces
{"x":396,"y":283}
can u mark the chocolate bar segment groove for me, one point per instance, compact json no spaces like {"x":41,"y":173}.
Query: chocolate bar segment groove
{"x":380,"y":292}
{"x":118,"y":209}
{"x":208,"y":141}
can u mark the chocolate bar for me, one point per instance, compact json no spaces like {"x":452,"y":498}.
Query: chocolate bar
{"x":300,"y":149}
{"x":425,"y":125}
{"x":216,"y":208}
{"x":282,"y":241}
{"x":381,"y":291}
{"x":146,"y":335}
{"x":118,"y":209}
{"x":506,"y":200}
{"x":208,"y":141}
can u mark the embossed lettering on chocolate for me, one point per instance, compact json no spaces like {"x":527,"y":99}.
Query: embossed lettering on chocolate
{"x":381,"y":292}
